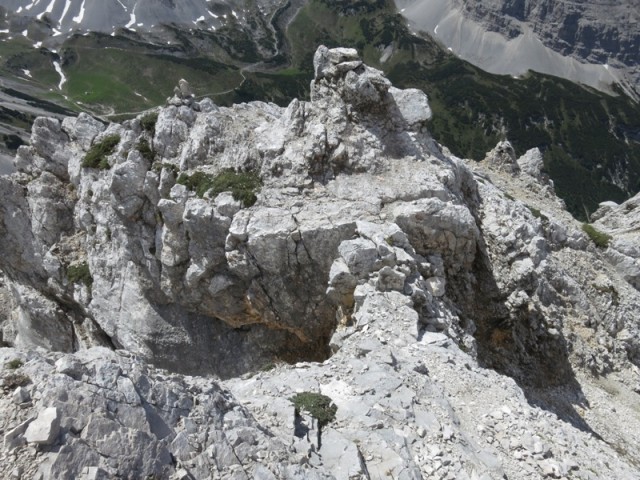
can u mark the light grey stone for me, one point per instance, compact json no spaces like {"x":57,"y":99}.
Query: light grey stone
{"x":45,"y":428}
{"x":21,"y":395}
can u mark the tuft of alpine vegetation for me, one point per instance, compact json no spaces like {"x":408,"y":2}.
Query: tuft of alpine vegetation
{"x":600,"y":239}
{"x":537,"y":213}
{"x":317,"y":405}
{"x":97,"y":155}
{"x":148,"y":122}
{"x":145,"y":149}
{"x":14,"y":364}
{"x":80,"y":273}
{"x":243,"y":185}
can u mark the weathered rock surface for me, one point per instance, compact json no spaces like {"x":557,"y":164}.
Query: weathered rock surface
{"x":622,"y":222}
{"x":460,"y":319}
{"x":112,"y":416}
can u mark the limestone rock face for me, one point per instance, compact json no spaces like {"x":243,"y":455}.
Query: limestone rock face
{"x":433,"y":299}
{"x":623,"y":223}
{"x":191,"y":282}
{"x":134,"y":257}
{"x":503,"y":157}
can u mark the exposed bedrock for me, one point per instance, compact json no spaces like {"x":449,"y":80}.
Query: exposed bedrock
{"x":352,"y":196}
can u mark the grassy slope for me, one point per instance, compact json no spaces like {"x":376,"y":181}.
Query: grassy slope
{"x":127,"y":79}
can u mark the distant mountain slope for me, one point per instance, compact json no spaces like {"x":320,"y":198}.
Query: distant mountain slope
{"x":66,"y":16}
{"x":594,"y":42}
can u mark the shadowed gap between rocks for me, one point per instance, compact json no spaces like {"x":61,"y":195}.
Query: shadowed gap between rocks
{"x":506,"y":343}
{"x":214,"y":347}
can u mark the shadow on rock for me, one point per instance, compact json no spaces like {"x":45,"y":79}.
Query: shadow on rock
{"x":518,"y":343}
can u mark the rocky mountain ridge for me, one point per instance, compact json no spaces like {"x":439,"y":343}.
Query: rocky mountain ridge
{"x":461,"y":333}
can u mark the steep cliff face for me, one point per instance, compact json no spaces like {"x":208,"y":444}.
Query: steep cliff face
{"x":333,"y":233}
{"x":596,"y":31}
{"x":548,"y":36}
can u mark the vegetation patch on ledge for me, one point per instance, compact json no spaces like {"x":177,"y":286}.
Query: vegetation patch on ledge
{"x":97,"y":155}
{"x":600,"y":239}
{"x":145,"y":149}
{"x":80,"y":273}
{"x":243,"y":185}
{"x":14,"y":364}
{"x":148,"y":122}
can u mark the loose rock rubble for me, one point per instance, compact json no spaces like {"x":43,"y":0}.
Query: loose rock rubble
{"x":105,"y":414}
{"x":462,"y":322}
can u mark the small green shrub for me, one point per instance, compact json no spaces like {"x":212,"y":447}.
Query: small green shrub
{"x":97,"y":155}
{"x":199,"y":182}
{"x":537,"y":213}
{"x":148,"y":122}
{"x":14,"y":364}
{"x":243,"y":186}
{"x":145,"y":149}
{"x":600,"y":239}
{"x":80,"y":273}
{"x":317,"y":405}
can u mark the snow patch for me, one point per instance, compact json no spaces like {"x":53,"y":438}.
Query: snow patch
{"x":27,"y":73}
{"x":132,"y":20}
{"x":65,"y":11}
{"x":63,"y":77}
{"x":80,"y":16}
{"x":49,"y":9}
